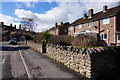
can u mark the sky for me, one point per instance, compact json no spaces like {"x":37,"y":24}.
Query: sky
{"x":48,"y":12}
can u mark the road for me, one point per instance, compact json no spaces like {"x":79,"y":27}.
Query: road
{"x":33,"y":64}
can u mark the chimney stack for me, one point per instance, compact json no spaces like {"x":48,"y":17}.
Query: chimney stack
{"x":56,"y":24}
{"x":2,"y":23}
{"x":11,"y":24}
{"x":84,"y":15}
{"x":15,"y":26}
{"x":23,"y":29}
{"x":90,"y":11}
{"x":61,"y":23}
{"x":105,"y":8}
{"x":20,"y":27}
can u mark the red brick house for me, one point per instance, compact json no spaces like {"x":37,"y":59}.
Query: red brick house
{"x":61,"y":29}
{"x":106,"y":23}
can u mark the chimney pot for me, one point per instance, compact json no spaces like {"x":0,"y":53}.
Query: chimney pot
{"x":84,"y":15}
{"x":15,"y":26}
{"x":61,"y":23}
{"x":56,"y":24}
{"x":20,"y":27}
{"x":11,"y":24}
{"x":90,"y":13}
{"x":2,"y":23}
{"x":105,"y":8}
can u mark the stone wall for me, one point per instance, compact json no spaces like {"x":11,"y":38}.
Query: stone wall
{"x":91,"y":62}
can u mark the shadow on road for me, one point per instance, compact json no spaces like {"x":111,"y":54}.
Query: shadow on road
{"x":6,"y":48}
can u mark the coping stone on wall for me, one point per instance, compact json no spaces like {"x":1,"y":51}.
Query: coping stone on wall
{"x":92,"y":51}
{"x":70,"y":48}
{"x":80,"y":51}
{"x":77,"y":50}
{"x":73,"y":50}
{"x":83,"y":50}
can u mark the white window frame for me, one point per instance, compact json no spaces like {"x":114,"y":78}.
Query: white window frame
{"x":103,"y":36}
{"x":106,"y":21}
{"x":90,"y":24}
{"x":79,"y":26}
{"x":65,"y":30}
{"x":71,"y":28}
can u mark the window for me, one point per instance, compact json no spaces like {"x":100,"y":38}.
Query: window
{"x":118,"y":36}
{"x":56,"y":30}
{"x":65,"y":30}
{"x":106,"y":21}
{"x":71,"y":28}
{"x":79,"y":26}
{"x":103,"y":36}
{"x":90,"y":24}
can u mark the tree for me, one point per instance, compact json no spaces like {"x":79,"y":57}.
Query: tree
{"x":28,"y":24}
{"x":46,"y":35}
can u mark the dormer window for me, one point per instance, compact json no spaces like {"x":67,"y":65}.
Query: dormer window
{"x":106,"y":21}
{"x":90,"y":24}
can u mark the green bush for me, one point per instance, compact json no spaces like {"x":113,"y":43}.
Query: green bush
{"x":45,"y":35}
{"x":85,"y":40}
{"x":28,"y":37}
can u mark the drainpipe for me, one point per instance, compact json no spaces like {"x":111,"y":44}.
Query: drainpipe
{"x":99,"y":40}
{"x":108,"y":31}
{"x":74,"y":30}
{"x":108,"y":36}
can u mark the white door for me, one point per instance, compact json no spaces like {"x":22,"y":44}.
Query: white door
{"x":118,"y":39}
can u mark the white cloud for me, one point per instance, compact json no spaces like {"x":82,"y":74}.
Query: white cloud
{"x":27,"y":4}
{"x":27,"y":0}
{"x":18,"y":5}
{"x":7,"y":19}
{"x":17,"y":25}
{"x":65,"y":11}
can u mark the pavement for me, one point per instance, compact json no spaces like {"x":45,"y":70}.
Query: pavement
{"x":39,"y":66}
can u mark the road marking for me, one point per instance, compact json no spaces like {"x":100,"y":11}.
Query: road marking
{"x":4,"y":60}
{"x":26,"y":67}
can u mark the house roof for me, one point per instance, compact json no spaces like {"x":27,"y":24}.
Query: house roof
{"x":65,"y":24}
{"x":100,"y":15}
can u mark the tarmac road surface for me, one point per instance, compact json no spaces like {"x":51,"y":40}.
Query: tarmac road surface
{"x":38,"y":66}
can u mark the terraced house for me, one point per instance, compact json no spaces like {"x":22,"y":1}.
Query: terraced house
{"x":10,"y":31}
{"x":61,"y":29}
{"x":106,"y":23}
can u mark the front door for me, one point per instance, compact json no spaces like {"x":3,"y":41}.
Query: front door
{"x":118,"y":39}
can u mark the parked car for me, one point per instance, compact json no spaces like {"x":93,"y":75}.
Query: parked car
{"x":13,"y":41}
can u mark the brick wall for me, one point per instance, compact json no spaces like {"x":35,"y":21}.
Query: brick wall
{"x":107,"y":27}
{"x":70,"y":32}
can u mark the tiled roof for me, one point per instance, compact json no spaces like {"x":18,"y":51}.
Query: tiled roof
{"x":65,"y":24}
{"x":100,"y":15}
